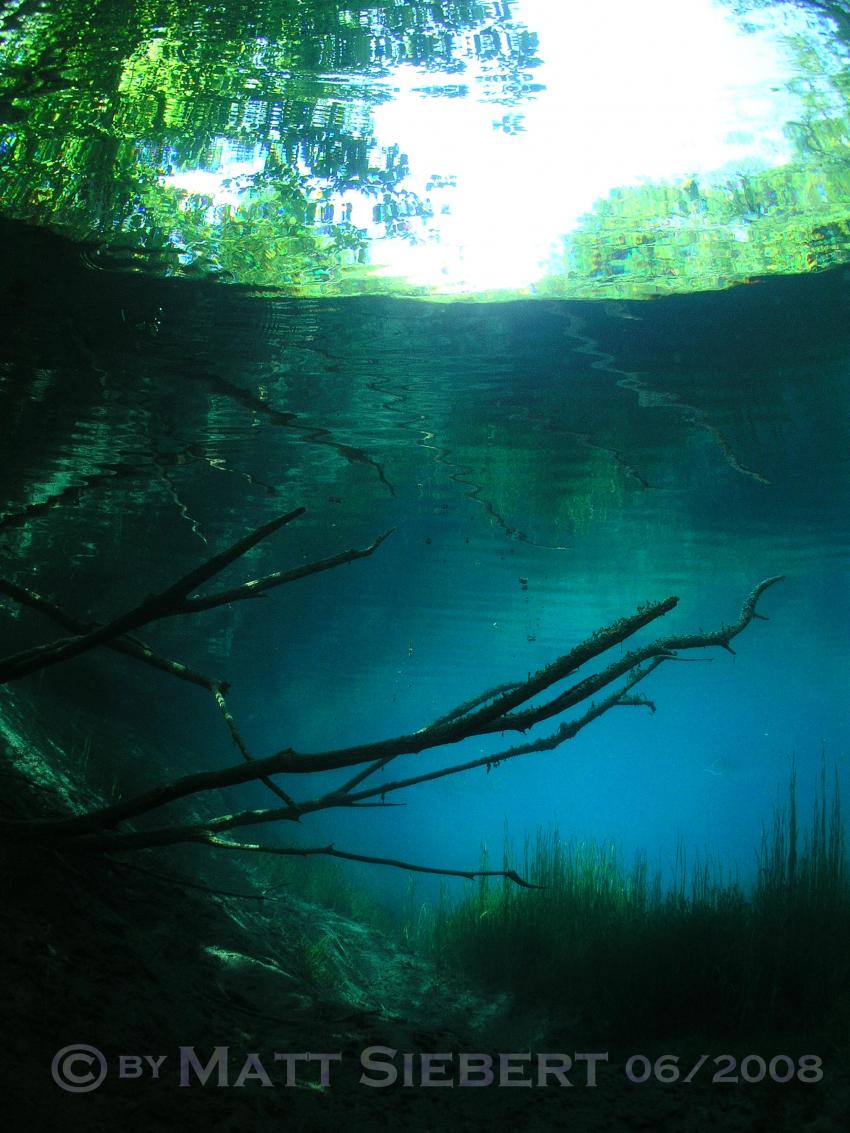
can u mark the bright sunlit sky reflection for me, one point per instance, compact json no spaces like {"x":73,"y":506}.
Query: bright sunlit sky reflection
{"x":660,"y":91}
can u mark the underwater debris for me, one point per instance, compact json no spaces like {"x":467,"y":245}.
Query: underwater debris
{"x":507,"y":708}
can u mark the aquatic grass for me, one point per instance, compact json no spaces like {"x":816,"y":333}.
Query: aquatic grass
{"x":614,"y":951}
{"x":325,"y":883}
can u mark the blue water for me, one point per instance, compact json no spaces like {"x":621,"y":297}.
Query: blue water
{"x":691,"y":448}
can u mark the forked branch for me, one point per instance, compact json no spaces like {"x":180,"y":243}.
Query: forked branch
{"x":506,"y":708}
{"x":171,"y":601}
{"x":175,"y":599}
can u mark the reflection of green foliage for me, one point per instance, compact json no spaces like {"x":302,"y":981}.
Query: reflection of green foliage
{"x":268,"y":242}
{"x":657,"y":239}
{"x":101,"y":99}
{"x":98,"y":101}
{"x":519,"y":466}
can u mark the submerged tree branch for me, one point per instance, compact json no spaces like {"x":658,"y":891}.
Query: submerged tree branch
{"x":330,"y":851}
{"x":165,"y":604}
{"x":168,"y":603}
{"x":240,"y":743}
{"x":136,"y":649}
{"x":97,"y":831}
{"x":288,"y":761}
{"x":280,"y":578}
{"x":667,"y":648}
{"x":130,"y":646}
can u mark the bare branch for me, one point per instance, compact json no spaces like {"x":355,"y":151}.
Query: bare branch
{"x":565,"y":732}
{"x":494,"y":717}
{"x":661,"y":647}
{"x":329,"y":851}
{"x":280,"y":578}
{"x":380,"y":752}
{"x":170,"y":602}
{"x":378,"y":765}
{"x":240,"y":743}
{"x":96,"y":831}
{"x":165,"y":604}
{"x":130,"y":646}
{"x":93,"y":837}
{"x":468,"y":705}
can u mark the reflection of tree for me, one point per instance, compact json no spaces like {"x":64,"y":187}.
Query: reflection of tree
{"x":98,"y":102}
{"x":728,"y":227}
{"x":655,"y":239}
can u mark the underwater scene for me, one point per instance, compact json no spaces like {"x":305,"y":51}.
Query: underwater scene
{"x":424,"y":543}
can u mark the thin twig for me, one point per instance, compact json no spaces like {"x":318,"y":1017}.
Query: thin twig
{"x":329,"y":851}
{"x":128,"y":645}
{"x":166,"y":603}
{"x":280,"y":578}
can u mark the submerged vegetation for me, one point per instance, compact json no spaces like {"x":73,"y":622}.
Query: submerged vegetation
{"x":608,"y":950}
